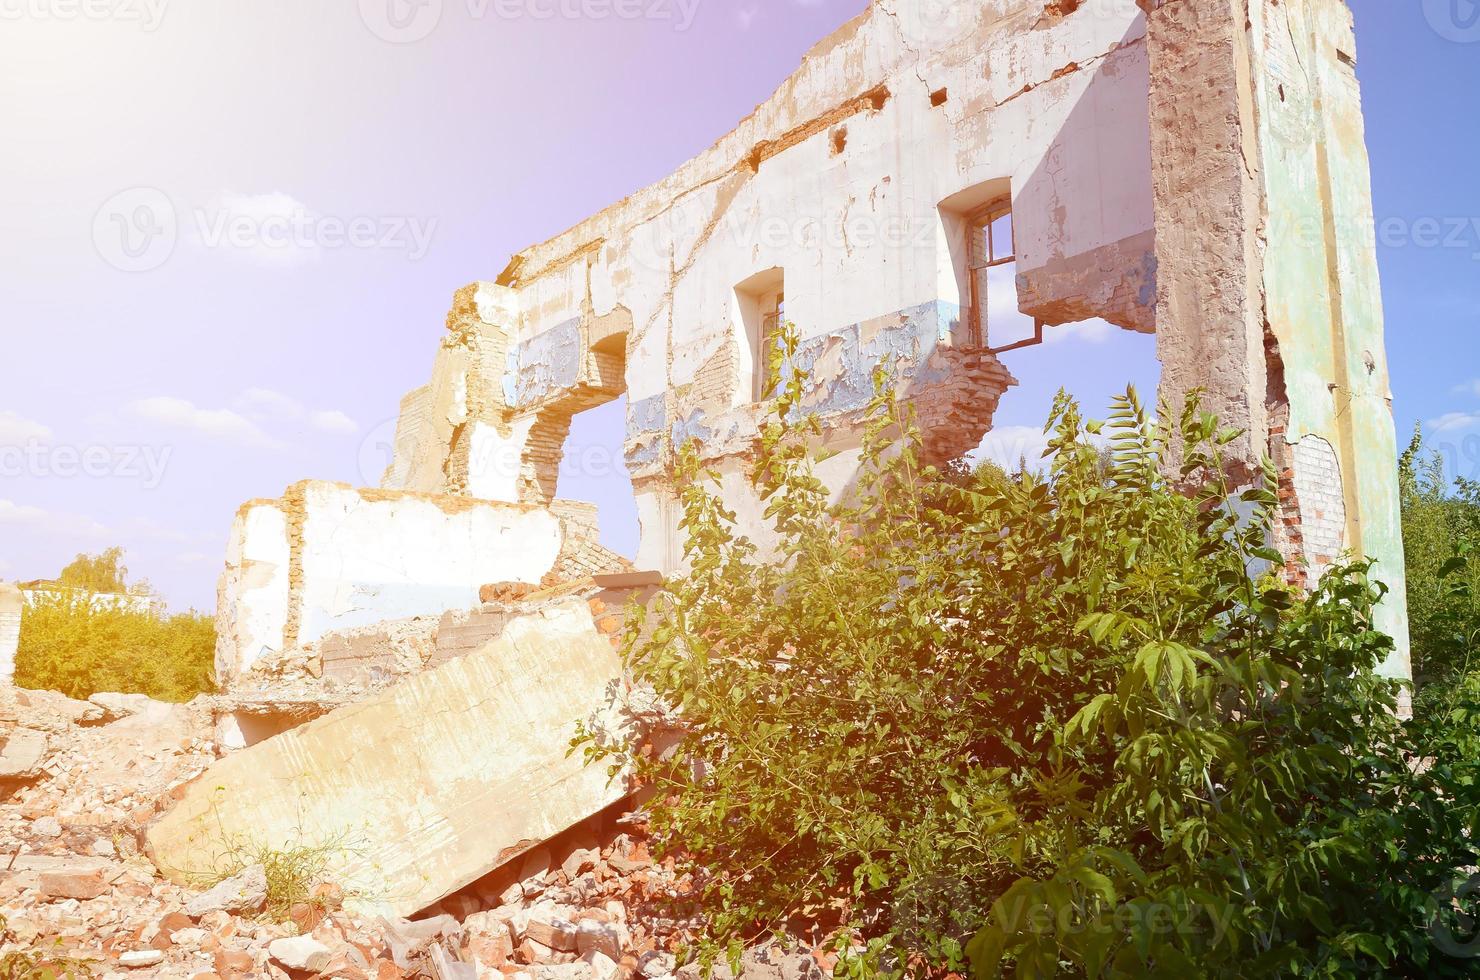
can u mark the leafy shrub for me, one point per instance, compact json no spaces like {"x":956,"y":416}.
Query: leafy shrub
{"x":80,"y":645}
{"x":1441,"y":544}
{"x":1043,"y":725}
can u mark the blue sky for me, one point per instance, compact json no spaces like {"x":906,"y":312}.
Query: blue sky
{"x":163,"y":399}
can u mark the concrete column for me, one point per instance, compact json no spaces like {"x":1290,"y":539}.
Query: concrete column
{"x":1268,"y":290}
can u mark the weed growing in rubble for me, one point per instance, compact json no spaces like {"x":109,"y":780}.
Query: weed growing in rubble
{"x":300,"y":874}
{"x":1046,"y":724}
{"x":38,"y":964}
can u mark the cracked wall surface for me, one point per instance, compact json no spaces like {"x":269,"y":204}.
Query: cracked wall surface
{"x":1187,"y":168}
{"x":852,"y":182}
{"x":329,"y":558}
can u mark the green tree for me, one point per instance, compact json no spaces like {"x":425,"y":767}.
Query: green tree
{"x":103,"y":573}
{"x":1441,"y":545}
{"x":1041,"y":724}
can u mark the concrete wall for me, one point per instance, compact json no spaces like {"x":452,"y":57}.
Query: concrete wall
{"x":12,"y":603}
{"x":1194,"y":168}
{"x":1269,"y":296}
{"x":329,"y":558}
{"x":849,"y":184}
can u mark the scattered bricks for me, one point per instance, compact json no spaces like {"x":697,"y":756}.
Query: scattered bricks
{"x":327,"y":894}
{"x":304,"y":953}
{"x":82,"y":886}
{"x":48,"y":827}
{"x":552,"y":931}
{"x":600,"y":937}
{"x":603,"y":966}
{"x":231,"y":961}
{"x":242,"y":893}
{"x":139,"y":958}
{"x":493,"y":949}
{"x":176,"y":921}
{"x":530,"y":951}
{"x":580,"y":861}
{"x":306,"y":915}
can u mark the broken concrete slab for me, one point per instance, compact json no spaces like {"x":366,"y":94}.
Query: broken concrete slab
{"x":425,"y":788}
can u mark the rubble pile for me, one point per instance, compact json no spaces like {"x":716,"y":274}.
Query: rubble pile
{"x":83,"y":780}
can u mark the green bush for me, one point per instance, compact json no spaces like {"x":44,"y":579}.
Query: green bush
{"x":1441,"y":545}
{"x":1044,"y":725}
{"x":80,"y":645}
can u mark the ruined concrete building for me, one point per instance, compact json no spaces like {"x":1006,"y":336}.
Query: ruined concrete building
{"x":937,"y":185}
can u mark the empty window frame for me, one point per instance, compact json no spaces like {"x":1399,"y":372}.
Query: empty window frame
{"x":989,"y":246}
{"x":772,"y":316}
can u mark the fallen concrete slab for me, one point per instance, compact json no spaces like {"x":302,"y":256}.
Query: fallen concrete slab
{"x":425,"y":788}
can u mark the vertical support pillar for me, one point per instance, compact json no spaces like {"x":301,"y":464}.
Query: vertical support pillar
{"x":1268,"y":290}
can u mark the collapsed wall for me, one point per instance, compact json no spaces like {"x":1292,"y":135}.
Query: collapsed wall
{"x":918,"y":189}
{"x":427,"y":787}
{"x":328,"y":558}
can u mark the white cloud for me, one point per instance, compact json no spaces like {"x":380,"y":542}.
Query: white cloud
{"x":746,"y":14}
{"x":270,"y":229}
{"x":16,"y":430}
{"x":216,"y":423}
{"x":13,"y":513}
{"x":260,"y":402}
{"x":335,"y":421}
{"x":1468,"y":388}
{"x":1455,"y":422}
{"x":196,"y":558}
{"x":22,"y":515}
{"x":1088,"y":331}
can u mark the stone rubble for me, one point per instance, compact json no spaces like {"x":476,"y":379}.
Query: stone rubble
{"x":590,"y":904}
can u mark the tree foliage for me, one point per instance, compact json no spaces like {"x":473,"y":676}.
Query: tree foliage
{"x":1441,"y":545}
{"x":103,"y":573}
{"x":1043,"y":724}
{"x":81,"y":644}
